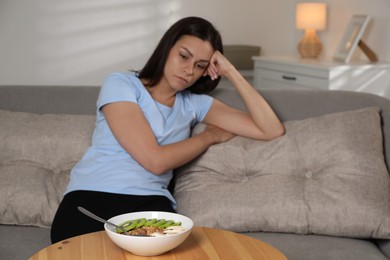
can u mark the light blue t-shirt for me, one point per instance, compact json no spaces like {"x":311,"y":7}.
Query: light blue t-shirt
{"x":107,"y":167}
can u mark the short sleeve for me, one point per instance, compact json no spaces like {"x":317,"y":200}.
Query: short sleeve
{"x":202,"y":104}
{"x":118,"y":87}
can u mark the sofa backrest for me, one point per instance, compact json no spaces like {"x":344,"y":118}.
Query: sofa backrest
{"x":49,"y":99}
{"x":291,"y":104}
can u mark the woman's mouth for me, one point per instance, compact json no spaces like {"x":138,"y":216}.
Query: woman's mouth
{"x":182,"y":79}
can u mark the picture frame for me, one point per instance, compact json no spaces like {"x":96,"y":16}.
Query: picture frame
{"x":351,"y":37}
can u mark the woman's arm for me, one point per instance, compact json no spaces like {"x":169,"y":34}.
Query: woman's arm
{"x":131,"y":129}
{"x":260,"y":123}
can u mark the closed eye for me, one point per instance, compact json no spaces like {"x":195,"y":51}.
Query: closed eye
{"x":202,"y":66}
{"x":183,"y":56}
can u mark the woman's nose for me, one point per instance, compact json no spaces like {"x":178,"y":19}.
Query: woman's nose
{"x":189,"y":69}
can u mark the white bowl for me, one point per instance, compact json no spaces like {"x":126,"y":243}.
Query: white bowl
{"x":149,"y":246}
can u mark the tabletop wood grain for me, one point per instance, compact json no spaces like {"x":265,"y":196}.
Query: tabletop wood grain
{"x":202,"y":243}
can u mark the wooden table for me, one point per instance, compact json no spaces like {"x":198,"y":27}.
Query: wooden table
{"x":202,"y":243}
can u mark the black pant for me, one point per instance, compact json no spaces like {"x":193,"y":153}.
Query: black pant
{"x":69,"y":221}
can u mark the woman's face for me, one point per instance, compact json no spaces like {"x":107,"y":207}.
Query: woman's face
{"x":187,"y":62}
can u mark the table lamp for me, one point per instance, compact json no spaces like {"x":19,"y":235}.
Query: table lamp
{"x":310,"y":17}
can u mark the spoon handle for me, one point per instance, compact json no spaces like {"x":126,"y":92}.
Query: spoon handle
{"x":91,"y":215}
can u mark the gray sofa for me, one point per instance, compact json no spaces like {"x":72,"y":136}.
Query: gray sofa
{"x":21,"y":236}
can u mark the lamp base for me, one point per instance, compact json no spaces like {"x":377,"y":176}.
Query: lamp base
{"x":310,"y":46}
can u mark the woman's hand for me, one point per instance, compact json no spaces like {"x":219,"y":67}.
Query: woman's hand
{"x":259,"y":123}
{"x":219,"y":135}
{"x":219,"y":66}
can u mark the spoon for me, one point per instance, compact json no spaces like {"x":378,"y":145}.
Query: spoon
{"x":91,"y":215}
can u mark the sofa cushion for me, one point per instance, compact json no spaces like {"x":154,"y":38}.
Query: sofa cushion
{"x":326,"y":175}
{"x":37,"y":153}
{"x":319,"y":247}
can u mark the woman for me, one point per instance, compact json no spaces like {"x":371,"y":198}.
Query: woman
{"x":143,"y":128}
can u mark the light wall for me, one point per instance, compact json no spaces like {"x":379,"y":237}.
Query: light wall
{"x":78,"y":42}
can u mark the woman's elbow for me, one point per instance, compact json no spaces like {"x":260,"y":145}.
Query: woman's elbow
{"x":151,"y":159}
{"x":155,"y":167}
{"x":273,"y":134}
{"x":280,"y":131}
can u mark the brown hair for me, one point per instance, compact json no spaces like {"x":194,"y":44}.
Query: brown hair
{"x":195,"y":26}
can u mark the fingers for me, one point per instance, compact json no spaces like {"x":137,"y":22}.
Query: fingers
{"x":219,"y":66}
{"x":212,"y":71}
{"x":213,"y":68}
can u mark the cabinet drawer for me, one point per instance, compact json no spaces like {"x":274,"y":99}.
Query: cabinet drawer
{"x":263,"y":77}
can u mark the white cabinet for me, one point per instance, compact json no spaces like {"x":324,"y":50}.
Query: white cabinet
{"x":293,"y":72}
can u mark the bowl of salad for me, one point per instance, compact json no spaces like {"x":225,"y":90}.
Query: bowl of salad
{"x":149,"y":233}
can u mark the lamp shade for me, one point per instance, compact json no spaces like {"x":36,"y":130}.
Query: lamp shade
{"x":311,"y":16}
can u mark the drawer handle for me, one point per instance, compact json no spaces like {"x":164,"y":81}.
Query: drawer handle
{"x":289,"y":77}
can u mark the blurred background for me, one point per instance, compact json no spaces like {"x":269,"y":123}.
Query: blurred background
{"x":78,"y":42}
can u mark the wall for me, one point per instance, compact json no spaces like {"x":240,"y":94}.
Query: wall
{"x":78,"y":42}
{"x":377,"y":34}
